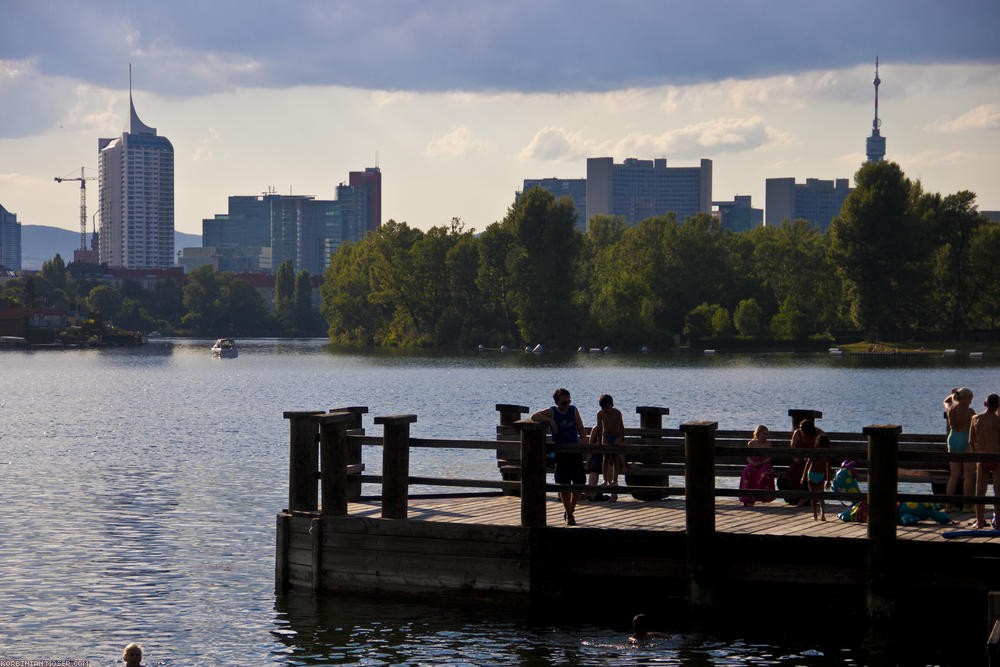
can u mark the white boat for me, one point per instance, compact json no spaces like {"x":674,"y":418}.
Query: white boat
{"x":225,"y":348}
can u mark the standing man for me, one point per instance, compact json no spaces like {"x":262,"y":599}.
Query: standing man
{"x":567,"y":428}
{"x":984,"y":438}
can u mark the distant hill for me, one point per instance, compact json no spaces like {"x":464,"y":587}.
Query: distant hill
{"x":40,"y":243}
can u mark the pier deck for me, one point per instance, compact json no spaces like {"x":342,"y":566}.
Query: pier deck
{"x":776,"y":518}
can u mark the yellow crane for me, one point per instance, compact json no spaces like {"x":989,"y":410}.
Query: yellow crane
{"x":83,"y":203}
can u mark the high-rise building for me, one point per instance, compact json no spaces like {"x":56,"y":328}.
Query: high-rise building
{"x":136,"y":192}
{"x":738,"y":215}
{"x":640,"y":189}
{"x":260,"y":232}
{"x":10,"y":240}
{"x":816,"y":201}
{"x":371,"y":181}
{"x":574,"y":188}
{"x":875,"y":145}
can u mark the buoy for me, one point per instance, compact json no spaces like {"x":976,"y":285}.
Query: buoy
{"x":538,"y":349}
{"x":481,"y":347}
{"x":607,"y":349}
{"x":503,"y":348}
{"x":581,"y":349}
{"x":527,"y":348}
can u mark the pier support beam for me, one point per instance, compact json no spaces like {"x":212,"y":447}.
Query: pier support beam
{"x":509,"y":416}
{"x":354,"y":449}
{"x":333,"y":456}
{"x":532,"y":473}
{"x":650,"y":417}
{"x":395,"y":464}
{"x":883,"y":445}
{"x":699,"y":482}
{"x":303,"y":461}
{"x":798,"y":415}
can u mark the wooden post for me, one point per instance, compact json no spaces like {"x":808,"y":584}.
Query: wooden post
{"x":699,"y":483}
{"x":395,"y":464}
{"x":650,"y":417}
{"x":333,"y":450}
{"x":281,"y":553}
{"x":532,"y":473}
{"x":883,"y":445}
{"x":354,"y":448}
{"x":993,"y":629}
{"x":303,"y":461}
{"x":509,"y":415}
{"x":316,"y":533}
{"x":798,"y":415}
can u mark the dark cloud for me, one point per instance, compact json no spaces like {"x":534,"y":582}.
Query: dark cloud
{"x":192,"y":47}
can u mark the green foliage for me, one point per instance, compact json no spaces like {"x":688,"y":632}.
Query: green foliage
{"x":106,"y":301}
{"x":748,"y":318}
{"x":284,"y":294}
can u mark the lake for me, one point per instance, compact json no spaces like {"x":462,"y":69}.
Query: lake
{"x":140,"y":487}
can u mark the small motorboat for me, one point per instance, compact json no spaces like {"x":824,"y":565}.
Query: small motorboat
{"x":225,"y":348}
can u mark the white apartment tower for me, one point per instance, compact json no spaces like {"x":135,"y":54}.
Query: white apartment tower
{"x":136,"y":177}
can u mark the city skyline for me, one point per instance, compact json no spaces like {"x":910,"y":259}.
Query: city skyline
{"x":458,"y":104}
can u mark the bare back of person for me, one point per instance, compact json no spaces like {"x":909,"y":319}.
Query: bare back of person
{"x":986,"y":430}
{"x":959,"y":417}
{"x":612,"y":425}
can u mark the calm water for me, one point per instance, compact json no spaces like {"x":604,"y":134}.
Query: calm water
{"x":139,"y":489}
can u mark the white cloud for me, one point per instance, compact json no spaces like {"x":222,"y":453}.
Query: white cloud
{"x":458,"y":142}
{"x":935,"y":158}
{"x":983,"y":117}
{"x":557,"y":144}
{"x":722,"y":135}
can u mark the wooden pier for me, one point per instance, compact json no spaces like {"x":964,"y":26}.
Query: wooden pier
{"x":694,"y":542}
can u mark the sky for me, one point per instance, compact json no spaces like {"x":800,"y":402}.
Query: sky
{"x":458,"y":101}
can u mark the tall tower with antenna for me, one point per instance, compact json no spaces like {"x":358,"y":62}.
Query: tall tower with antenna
{"x":875,"y":144}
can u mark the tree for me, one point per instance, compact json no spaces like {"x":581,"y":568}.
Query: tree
{"x":544,"y":261}
{"x":881,"y":247}
{"x":748,"y":318}
{"x":957,"y":221}
{"x":106,"y":301}
{"x":789,"y":323}
{"x":284,"y":294}
{"x":302,"y":313}
{"x":54,"y":272}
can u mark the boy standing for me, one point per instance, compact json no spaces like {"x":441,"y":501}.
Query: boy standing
{"x":984,"y":438}
{"x":567,"y":428}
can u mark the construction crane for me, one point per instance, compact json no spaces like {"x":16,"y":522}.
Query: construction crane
{"x":83,"y":204}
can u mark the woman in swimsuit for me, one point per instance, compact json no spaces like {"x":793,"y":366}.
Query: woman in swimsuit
{"x":958,"y":409}
{"x":804,"y":437}
{"x":817,"y":475}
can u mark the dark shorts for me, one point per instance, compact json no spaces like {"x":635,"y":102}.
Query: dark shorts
{"x":569,"y":469}
{"x":595,"y":463}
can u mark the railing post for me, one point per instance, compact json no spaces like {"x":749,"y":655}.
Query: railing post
{"x":395,"y":464}
{"x":532,"y":473}
{"x":798,"y":415}
{"x":650,"y":417}
{"x":699,"y":491}
{"x":333,"y":456}
{"x":883,"y":446}
{"x":303,"y":461}
{"x":509,"y":415}
{"x":354,"y":448}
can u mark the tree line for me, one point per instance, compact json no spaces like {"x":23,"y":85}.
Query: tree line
{"x":206,"y":304}
{"x":896,"y":262}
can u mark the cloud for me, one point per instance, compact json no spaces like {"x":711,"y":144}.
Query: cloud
{"x":983,"y":117}
{"x":458,"y":142}
{"x":557,"y":144}
{"x":935,"y":158}
{"x":723,"y":135}
{"x":189,"y":47}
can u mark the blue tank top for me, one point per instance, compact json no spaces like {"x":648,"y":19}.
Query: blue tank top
{"x":567,"y":425}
